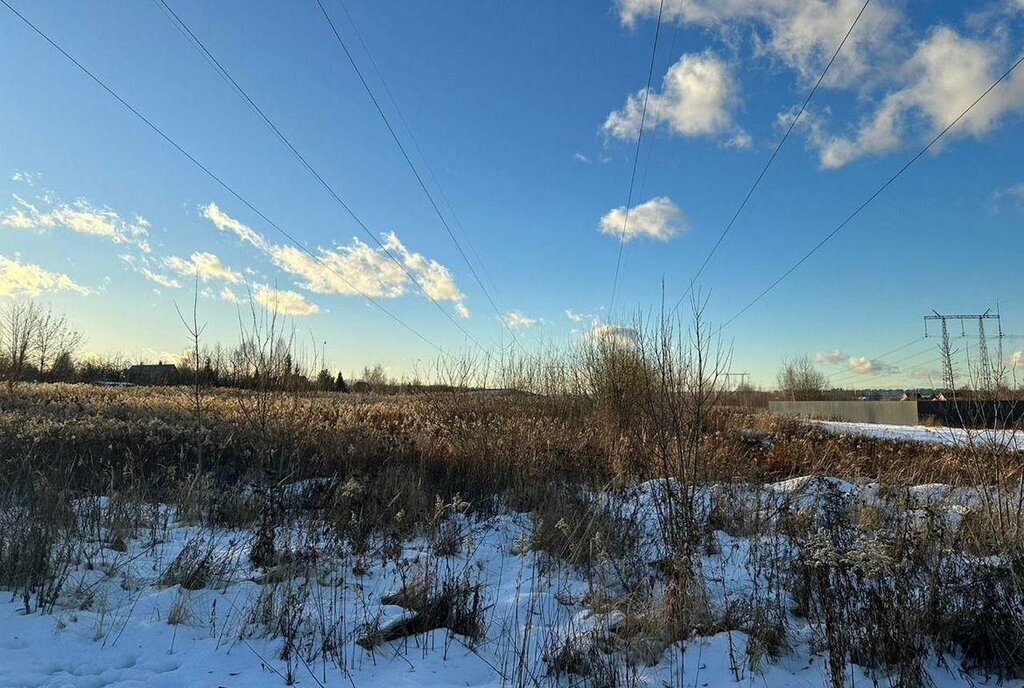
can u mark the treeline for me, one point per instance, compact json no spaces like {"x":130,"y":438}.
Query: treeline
{"x":40,"y":345}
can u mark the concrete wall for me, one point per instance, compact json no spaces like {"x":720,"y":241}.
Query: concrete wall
{"x":975,"y":414}
{"x":888,"y":412}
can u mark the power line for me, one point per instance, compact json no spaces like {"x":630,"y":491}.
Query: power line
{"x":873,"y":196}
{"x":636,"y":157}
{"x":771,"y":159}
{"x":211,"y":174}
{"x":657,"y":118}
{"x":423,"y":157}
{"x":412,"y":166}
{"x":881,"y":357}
{"x":230,"y":79}
{"x":854,"y":376}
{"x":860,"y":382}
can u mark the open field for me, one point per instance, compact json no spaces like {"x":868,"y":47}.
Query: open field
{"x":356,"y":344}
{"x":325,"y":539}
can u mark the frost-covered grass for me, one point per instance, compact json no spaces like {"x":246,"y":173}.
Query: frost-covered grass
{"x":784,"y":584}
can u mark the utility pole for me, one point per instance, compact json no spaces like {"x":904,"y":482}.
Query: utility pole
{"x":742,"y":376}
{"x":985,"y":379}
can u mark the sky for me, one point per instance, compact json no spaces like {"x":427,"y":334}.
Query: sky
{"x":521,"y":119}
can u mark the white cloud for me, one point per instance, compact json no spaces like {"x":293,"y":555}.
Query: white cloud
{"x":79,"y":216}
{"x":226,"y":223}
{"x":658,"y":218}
{"x":348,"y":270}
{"x":436,"y":279}
{"x":27,"y":279}
{"x":1017,"y":359}
{"x":833,"y":357}
{"x":946,"y":73}
{"x":29,"y":178}
{"x":576,"y":317}
{"x":228,"y":295}
{"x":284,"y":302}
{"x":354,"y":269}
{"x":579,"y":157}
{"x":802,"y":34}
{"x":614,"y":335}
{"x":516,"y":320}
{"x":697,"y":97}
{"x":862,"y":365}
{"x":161,"y":279}
{"x":740,"y":140}
{"x":1013,"y":193}
{"x":207,"y":265}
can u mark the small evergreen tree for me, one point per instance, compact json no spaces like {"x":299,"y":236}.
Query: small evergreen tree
{"x":63,"y":368}
{"x":340,"y":385}
{"x":324,"y":380}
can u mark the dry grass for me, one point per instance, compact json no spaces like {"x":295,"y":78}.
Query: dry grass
{"x":376,"y":471}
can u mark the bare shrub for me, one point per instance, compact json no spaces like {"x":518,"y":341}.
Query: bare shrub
{"x":200,"y":563}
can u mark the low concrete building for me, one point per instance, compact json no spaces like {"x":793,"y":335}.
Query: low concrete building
{"x":150,"y":374}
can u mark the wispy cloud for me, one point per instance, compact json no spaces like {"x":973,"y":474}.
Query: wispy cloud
{"x":801,"y":35}
{"x":206,"y":265}
{"x":28,"y":178}
{"x":226,"y":223}
{"x":159,"y":278}
{"x":354,"y":269}
{"x":833,"y":357}
{"x":516,"y":320}
{"x":945,"y":74}
{"x":80,"y":216}
{"x":284,"y":302}
{"x":658,"y":218}
{"x":28,"y":279}
{"x":228,"y":295}
{"x":1013,"y":194}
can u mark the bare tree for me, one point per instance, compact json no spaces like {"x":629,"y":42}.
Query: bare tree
{"x":799,"y":379}
{"x":376,"y":377}
{"x":52,"y":336}
{"x":18,"y":324}
{"x":196,"y":397}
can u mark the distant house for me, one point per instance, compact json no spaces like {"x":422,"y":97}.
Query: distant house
{"x":150,"y":374}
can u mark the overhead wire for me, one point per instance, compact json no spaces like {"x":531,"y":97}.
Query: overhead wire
{"x":636,"y":157}
{"x":197,"y":43}
{"x":413,"y":168}
{"x":212,"y":175}
{"x":892,"y":179}
{"x":657,"y":118}
{"x":422,"y":156}
{"x":771,"y":158}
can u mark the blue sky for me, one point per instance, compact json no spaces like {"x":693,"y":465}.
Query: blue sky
{"x":527,"y":116}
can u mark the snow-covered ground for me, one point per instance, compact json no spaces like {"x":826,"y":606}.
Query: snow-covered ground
{"x":1011,"y":439}
{"x":119,"y":621}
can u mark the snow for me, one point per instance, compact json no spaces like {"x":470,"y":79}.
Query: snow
{"x":1011,"y":439}
{"x":111,"y":627}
